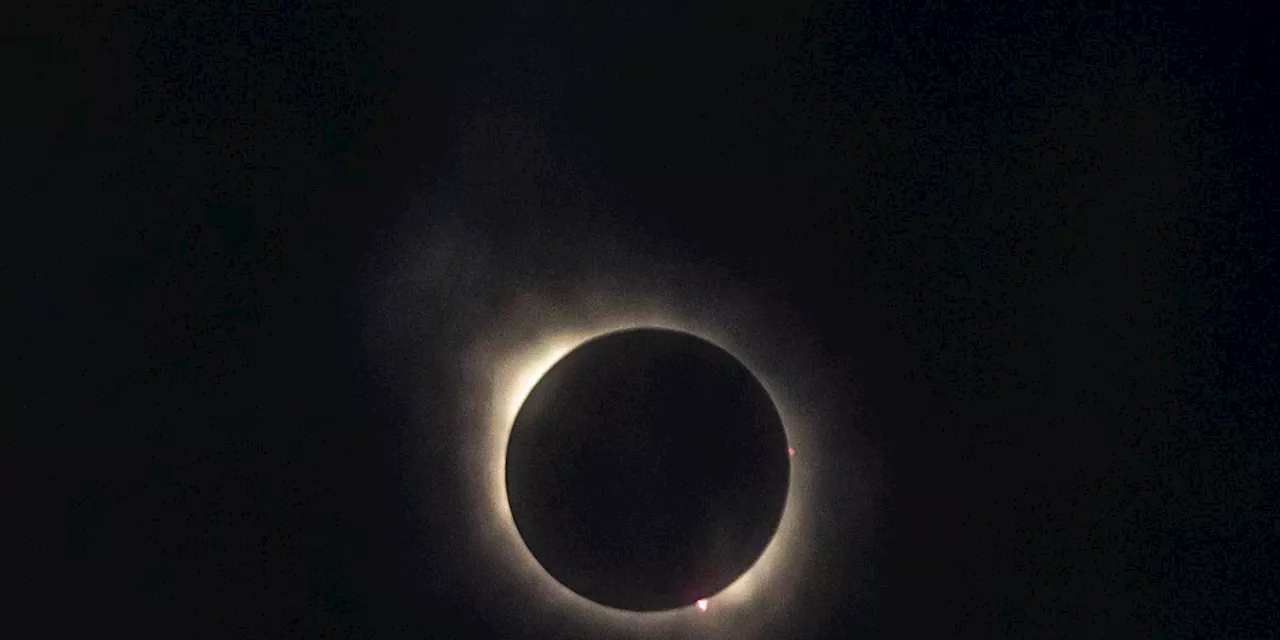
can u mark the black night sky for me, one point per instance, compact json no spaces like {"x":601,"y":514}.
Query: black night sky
{"x":1034,"y":246}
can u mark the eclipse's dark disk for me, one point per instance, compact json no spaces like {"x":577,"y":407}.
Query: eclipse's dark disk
{"x":647,"y":469}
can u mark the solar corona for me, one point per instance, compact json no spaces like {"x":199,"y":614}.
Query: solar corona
{"x":508,"y":355}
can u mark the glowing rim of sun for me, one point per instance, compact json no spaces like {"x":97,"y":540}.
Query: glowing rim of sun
{"x":513,"y":376}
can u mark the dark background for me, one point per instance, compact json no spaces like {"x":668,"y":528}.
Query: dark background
{"x":1046,"y":234}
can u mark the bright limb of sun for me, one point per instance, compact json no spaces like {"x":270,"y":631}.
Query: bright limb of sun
{"x":768,"y":581}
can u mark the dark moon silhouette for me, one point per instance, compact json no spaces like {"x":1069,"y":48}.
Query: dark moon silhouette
{"x":647,"y":469}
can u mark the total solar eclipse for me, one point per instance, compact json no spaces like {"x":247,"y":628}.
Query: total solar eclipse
{"x":647,"y":469}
